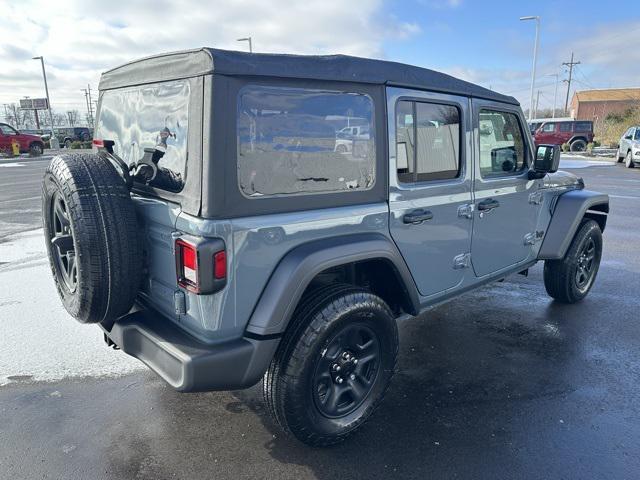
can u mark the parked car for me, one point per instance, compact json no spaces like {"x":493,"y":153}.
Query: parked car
{"x":32,"y":144}
{"x":629,"y":147}
{"x":577,"y":133}
{"x":223,"y":240}
{"x":66,"y":136}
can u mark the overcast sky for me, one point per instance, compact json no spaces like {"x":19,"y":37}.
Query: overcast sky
{"x":479,"y":41}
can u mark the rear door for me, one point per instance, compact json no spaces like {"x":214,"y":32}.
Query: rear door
{"x":430,"y":185}
{"x":506,"y":207}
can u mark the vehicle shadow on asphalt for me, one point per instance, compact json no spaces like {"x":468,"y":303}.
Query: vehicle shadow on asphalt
{"x":473,"y":381}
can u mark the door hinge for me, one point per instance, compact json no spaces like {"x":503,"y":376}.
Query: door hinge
{"x":536,"y":198}
{"x":533,"y":237}
{"x":462,"y":261}
{"x":466,"y":210}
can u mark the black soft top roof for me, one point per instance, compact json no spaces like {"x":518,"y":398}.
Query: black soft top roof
{"x":342,"y":68}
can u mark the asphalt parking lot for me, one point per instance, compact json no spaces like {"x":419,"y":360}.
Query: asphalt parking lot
{"x":499,"y":383}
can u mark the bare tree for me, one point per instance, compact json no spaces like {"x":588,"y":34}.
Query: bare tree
{"x":59,"y":119}
{"x":72,"y":117}
{"x":14,"y":115}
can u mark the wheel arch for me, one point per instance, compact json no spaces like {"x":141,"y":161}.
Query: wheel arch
{"x":569,"y":210}
{"x":371,"y":255}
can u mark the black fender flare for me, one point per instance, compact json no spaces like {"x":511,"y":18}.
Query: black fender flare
{"x":300,"y":266}
{"x":569,"y":210}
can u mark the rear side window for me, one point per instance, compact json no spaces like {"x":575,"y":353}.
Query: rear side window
{"x":293,"y":141}
{"x":427,"y":141}
{"x":149,"y":116}
{"x":582,"y":127}
{"x":637,"y":135}
{"x":566,"y":127}
{"x":502,"y":147}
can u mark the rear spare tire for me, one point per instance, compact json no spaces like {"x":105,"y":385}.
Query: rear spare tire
{"x":92,"y":238}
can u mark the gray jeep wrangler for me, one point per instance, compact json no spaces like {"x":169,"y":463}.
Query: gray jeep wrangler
{"x":258,"y":216}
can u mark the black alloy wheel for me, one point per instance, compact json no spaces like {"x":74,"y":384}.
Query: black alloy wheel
{"x":62,"y":243}
{"x":346,"y":371}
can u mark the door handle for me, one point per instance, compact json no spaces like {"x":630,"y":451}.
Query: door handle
{"x":417,"y":216}
{"x":488,"y":204}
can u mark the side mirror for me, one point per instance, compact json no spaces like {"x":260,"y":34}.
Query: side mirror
{"x":547,"y":161}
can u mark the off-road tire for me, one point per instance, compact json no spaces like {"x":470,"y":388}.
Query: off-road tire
{"x":107,"y":245}
{"x":628,"y":160}
{"x":578,"y":145}
{"x":560,"y":275}
{"x":288,"y":383}
{"x":35,"y":149}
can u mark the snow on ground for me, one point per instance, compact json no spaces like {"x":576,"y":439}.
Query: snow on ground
{"x":38,"y":338}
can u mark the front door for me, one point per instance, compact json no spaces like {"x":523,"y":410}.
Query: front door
{"x":430,"y":185}
{"x":506,"y":204}
{"x":547,"y":134}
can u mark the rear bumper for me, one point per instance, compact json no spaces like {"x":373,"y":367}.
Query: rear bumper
{"x":187,"y":364}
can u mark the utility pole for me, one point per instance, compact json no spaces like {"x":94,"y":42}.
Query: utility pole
{"x":86,"y":100}
{"x":570,"y":64}
{"x":90,"y":106}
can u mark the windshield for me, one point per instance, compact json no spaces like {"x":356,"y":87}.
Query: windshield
{"x":149,"y":116}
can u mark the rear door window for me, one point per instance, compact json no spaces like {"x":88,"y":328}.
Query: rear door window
{"x":293,"y":141}
{"x":149,"y":116}
{"x":427,"y":141}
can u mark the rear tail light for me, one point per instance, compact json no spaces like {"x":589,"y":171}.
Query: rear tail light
{"x":201,"y":264}
{"x":97,"y":144}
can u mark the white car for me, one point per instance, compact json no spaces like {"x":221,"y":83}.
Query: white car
{"x":629,"y":148}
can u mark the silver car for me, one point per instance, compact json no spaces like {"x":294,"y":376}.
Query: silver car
{"x":629,"y":149}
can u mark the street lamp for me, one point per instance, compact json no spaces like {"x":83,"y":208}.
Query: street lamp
{"x":535,"y":58}
{"x":555,"y":94}
{"x":247,"y":39}
{"x":53,"y":141}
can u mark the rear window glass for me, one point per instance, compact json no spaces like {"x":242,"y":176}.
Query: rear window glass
{"x":582,"y":127}
{"x":296,"y":141}
{"x":566,"y":127}
{"x":149,"y":116}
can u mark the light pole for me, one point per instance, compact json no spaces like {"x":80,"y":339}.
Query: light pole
{"x":555,"y":94}
{"x":53,"y":141}
{"x":535,"y":59}
{"x":247,"y":39}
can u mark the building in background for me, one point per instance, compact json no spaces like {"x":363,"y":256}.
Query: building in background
{"x":595,"y":105}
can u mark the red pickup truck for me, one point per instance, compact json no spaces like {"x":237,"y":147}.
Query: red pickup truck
{"x":28,"y":143}
{"x":577,"y":133}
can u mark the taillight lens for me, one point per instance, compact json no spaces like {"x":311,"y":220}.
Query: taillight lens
{"x":97,"y":143}
{"x":187,"y":263}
